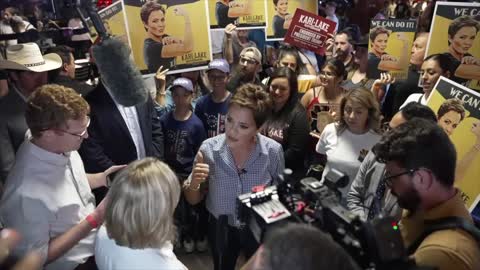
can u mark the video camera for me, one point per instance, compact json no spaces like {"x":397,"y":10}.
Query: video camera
{"x":373,"y":245}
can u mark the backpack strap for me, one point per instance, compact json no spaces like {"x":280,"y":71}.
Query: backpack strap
{"x":420,"y":99}
{"x":447,"y":223}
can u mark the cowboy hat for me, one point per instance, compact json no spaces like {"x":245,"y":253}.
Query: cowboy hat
{"x":27,"y":56}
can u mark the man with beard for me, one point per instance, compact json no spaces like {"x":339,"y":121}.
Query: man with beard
{"x":344,"y":49}
{"x":420,"y":170}
{"x":247,"y":71}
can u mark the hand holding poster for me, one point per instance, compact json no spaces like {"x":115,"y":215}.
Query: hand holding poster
{"x":172,"y":34}
{"x":458,"y":112}
{"x":113,"y":20}
{"x":280,"y":14}
{"x":242,"y":13}
{"x":454,"y":33}
{"x":390,"y":43}
{"x":309,"y":31}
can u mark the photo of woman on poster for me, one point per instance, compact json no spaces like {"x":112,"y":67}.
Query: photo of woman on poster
{"x":380,"y":61}
{"x":227,"y":12}
{"x":462,"y":32}
{"x":282,"y":19}
{"x":160,"y":49}
{"x":450,"y":114}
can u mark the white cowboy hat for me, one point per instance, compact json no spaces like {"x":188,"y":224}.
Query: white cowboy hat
{"x":27,"y":56}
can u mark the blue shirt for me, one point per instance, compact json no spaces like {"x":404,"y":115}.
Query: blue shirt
{"x":182,"y":140}
{"x":226,"y":183}
{"x":212,"y":114}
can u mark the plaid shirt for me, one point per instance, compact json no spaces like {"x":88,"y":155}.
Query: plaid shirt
{"x":226,"y":182}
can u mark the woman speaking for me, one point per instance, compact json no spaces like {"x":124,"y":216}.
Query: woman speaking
{"x":160,"y":49}
{"x":232,"y":164}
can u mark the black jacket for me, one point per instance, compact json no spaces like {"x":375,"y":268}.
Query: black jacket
{"x":110,"y":142}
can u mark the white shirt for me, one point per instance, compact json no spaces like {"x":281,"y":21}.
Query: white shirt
{"x":335,"y":19}
{"x":76,"y":23}
{"x":345,"y":152}
{"x":217,"y":41}
{"x":308,"y":57}
{"x":45,"y":195}
{"x":4,"y":30}
{"x":130,"y":116}
{"x":415,"y":98}
{"x":110,"y":256}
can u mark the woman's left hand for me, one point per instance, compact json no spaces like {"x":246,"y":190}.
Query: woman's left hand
{"x":387,"y":57}
{"x":476,"y":129}
{"x":470,"y":60}
{"x":171,"y":40}
{"x":180,"y":11}
{"x":402,"y":36}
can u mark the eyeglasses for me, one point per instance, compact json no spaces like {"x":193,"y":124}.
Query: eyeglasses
{"x":244,"y":60}
{"x":80,"y":135}
{"x":389,"y":179}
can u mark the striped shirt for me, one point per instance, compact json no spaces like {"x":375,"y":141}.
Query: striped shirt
{"x":226,"y":182}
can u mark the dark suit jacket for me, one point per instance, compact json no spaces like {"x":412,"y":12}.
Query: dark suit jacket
{"x":12,"y":129}
{"x":110,"y":142}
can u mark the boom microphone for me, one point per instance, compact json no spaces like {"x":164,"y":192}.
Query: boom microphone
{"x":118,"y":73}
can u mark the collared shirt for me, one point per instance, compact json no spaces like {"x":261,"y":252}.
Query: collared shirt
{"x":226,"y":182}
{"x":111,"y":256}
{"x":130,"y":116}
{"x":45,"y":195}
{"x":445,"y":249}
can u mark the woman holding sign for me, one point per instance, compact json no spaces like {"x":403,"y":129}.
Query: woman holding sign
{"x":433,"y":67}
{"x":378,"y":59}
{"x":160,"y":49}
{"x":461,"y":37}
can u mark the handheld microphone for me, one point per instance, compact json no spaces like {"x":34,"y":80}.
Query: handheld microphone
{"x":118,"y":72}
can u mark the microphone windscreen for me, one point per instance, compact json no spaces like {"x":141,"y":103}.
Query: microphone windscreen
{"x":119,"y":73}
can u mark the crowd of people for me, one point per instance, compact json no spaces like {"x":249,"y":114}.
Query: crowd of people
{"x":89,"y":183}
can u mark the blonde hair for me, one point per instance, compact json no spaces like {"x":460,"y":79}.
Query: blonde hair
{"x":366,"y":99}
{"x":141,"y":203}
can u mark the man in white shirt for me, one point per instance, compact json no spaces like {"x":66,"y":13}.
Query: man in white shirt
{"x":47,"y":196}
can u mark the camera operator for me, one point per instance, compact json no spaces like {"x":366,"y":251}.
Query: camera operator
{"x":420,"y":170}
{"x":368,"y":195}
{"x":300,"y":247}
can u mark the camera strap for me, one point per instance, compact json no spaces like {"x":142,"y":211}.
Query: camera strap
{"x":447,"y":223}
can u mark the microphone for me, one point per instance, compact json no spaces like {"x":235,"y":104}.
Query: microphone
{"x":241,"y":171}
{"x":119,"y":73}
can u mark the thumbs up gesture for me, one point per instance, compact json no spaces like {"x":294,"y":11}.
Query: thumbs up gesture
{"x":200,"y":170}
